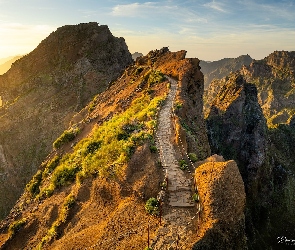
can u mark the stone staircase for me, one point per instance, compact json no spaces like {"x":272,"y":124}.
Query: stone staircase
{"x":179,"y":217}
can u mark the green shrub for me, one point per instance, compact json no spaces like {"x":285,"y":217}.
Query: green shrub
{"x":153,"y":148}
{"x":193,"y":157}
{"x":67,"y":136}
{"x":178,"y":105}
{"x":183,"y":165}
{"x":16,"y":226}
{"x":195,"y":197}
{"x":148,"y":248}
{"x":92,"y":147}
{"x":155,"y":77}
{"x":64,"y":174}
{"x":33,"y":187}
{"x":51,"y":166}
{"x":152,"y":206}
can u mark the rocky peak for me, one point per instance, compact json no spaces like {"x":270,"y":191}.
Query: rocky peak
{"x":236,"y":126}
{"x":44,"y":89}
{"x":281,"y":59}
{"x":274,"y":78}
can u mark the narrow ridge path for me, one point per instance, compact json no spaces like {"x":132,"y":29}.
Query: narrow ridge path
{"x":178,"y":225}
{"x":179,"y":187}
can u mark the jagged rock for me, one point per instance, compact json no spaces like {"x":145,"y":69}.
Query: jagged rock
{"x":44,"y":89}
{"x":274,"y":78}
{"x":237,"y":129}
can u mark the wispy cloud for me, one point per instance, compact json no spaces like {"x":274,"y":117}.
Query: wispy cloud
{"x":280,"y":9}
{"x":216,"y":6}
{"x":141,"y":9}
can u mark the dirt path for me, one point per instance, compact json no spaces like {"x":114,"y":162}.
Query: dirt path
{"x":178,"y":223}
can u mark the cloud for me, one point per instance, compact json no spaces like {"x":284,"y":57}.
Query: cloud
{"x":135,"y":9}
{"x":216,"y":6}
{"x":280,"y":9}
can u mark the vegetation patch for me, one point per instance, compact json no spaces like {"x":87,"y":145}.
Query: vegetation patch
{"x":51,"y":165}
{"x":33,"y":187}
{"x":155,"y":77}
{"x":183,"y":165}
{"x":107,"y":150}
{"x":193,"y":157}
{"x":67,"y":136}
{"x":152,"y":206}
{"x":196,"y":197}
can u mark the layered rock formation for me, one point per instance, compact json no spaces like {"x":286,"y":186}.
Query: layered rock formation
{"x":222,"y":194}
{"x":44,"y":89}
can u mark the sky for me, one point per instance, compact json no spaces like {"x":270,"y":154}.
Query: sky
{"x":208,"y":30}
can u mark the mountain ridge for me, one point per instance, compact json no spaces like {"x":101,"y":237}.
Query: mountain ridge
{"x":44,"y":89}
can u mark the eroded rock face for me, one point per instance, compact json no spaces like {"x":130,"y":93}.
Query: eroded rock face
{"x":237,"y":129}
{"x":223,"y":198}
{"x":44,"y":89}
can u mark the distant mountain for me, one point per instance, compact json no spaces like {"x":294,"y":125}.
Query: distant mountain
{"x":221,"y":68}
{"x":44,"y":89}
{"x":3,"y":60}
{"x":135,"y":55}
{"x":5,"y":66}
{"x":274,"y":79}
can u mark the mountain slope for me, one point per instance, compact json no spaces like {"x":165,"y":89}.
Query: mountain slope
{"x":44,"y":89}
{"x":91,"y":192}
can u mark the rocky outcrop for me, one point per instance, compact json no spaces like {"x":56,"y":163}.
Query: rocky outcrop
{"x":222,"y":195}
{"x":44,"y":89}
{"x":221,"y":68}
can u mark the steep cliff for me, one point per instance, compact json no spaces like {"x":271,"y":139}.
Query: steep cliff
{"x":44,"y":89}
{"x":237,"y":129}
